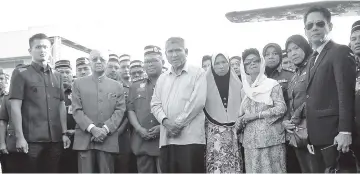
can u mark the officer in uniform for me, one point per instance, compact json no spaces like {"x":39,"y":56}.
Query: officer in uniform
{"x":68,"y":160}
{"x":145,"y":137}
{"x":136,"y":70}
{"x":273,"y":56}
{"x":98,"y":105}
{"x":10,"y":159}
{"x":82,"y":67}
{"x":38,"y":110}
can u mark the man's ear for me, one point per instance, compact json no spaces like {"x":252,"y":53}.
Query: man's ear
{"x":186,"y":51}
{"x":330,"y":26}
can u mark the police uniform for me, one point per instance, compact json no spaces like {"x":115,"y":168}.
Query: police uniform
{"x":82,"y":61}
{"x":97,"y":101}
{"x":68,"y":160}
{"x":146,"y":151}
{"x":283,"y":77}
{"x":41,"y":93}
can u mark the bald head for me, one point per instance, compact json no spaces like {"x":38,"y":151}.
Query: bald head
{"x":98,"y":60}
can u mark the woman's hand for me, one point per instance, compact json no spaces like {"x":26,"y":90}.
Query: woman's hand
{"x":248,"y":118}
{"x":289,"y":126}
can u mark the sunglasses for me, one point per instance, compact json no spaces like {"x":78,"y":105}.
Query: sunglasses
{"x":319,"y":24}
{"x":255,"y":61}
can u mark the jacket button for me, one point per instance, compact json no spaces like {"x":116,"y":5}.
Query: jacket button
{"x":307,"y":96}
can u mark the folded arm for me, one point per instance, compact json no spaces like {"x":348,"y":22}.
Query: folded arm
{"x":114,"y":121}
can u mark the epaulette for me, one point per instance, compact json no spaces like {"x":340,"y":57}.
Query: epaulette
{"x":288,"y":69}
{"x":22,"y":68}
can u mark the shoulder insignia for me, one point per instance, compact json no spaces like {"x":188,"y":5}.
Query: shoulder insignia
{"x":304,"y":73}
{"x":22,"y":69}
{"x":352,"y":54}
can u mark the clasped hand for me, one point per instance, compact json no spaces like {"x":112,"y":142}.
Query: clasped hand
{"x":98,"y":134}
{"x":173,"y":128}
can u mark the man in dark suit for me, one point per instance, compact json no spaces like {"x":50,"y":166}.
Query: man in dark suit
{"x":330,"y":91}
{"x":98,"y":105}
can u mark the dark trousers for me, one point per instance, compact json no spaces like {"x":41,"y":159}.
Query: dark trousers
{"x":91,"y":161}
{"x":43,"y":157}
{"x":148,"y":164}
{"x":305,"y":159}
{"x":13,"y":163}
{"x":69,"y":161}
{"x":122,"y":162}
{"x":182,"y":158}
{"x":292,"y":163}
{"x":323,"y":159}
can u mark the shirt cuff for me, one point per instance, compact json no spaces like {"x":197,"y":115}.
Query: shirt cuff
{"x":107,"y":129}
{"x":161,"y":117}
{"x":90,"y":127}
{"x":346,"y":133}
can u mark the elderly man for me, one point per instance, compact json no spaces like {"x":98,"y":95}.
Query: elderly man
{"x":68,"y":160}
{"x":98,"y":105}
{"x":330,"y":91}
{"x":82,"y":67}
{"x":145,"y":137}
{"x":38,"y":110}
{"x":177,"y":104}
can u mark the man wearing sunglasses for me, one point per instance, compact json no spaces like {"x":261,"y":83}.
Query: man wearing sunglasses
{"x":330,"y":91}
{"x":98,"y":106}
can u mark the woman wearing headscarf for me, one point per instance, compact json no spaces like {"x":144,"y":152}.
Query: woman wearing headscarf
{"x":261,"y":114}
{"x":221,"y":110}
{"x":299,"y":51}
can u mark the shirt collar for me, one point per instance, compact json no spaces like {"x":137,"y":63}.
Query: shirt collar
{"x":100,"y":79}
{"x":185,"y":68}
{"x":322,"y":47}
{"x":40,"y":68}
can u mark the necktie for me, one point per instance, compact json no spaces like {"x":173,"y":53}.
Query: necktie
{"x":313,"y":58}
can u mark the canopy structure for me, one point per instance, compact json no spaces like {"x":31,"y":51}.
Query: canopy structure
{"x":294,"y":12}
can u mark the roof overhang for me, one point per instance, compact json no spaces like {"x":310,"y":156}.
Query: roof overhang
{"x":72,"y":44}
{"x":294,"y":12}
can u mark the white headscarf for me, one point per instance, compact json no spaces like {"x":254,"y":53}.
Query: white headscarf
{"x":260,"y":89}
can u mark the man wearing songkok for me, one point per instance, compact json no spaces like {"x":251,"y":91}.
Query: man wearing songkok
{"x":145,"y":137}
{"x":82,"y":67}
{"x":68,"y":160}
{"x":136,"y":70}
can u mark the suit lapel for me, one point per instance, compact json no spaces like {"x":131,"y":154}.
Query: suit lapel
{"x":321,"y":57}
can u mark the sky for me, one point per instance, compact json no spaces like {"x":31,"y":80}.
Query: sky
{"x":125,"y":26}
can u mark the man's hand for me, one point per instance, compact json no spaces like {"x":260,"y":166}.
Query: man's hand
{"x":99,"y":134}
{"x":22,"y":145}
{"x":289,"y":126}
{"x":144,"y":133}
{"x":3,"y":149}
{"x":70,"y":132}
{"x":154,"y":132}
{"x":66,"y":141}
{"x":173,"y":128}
{"x":343,"y":141}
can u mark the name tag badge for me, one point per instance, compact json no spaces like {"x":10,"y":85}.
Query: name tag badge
{"x":142,"y":85}
{"x":282,"y":81}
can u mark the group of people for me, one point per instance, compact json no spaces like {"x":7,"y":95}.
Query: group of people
{"x":241,"y":114}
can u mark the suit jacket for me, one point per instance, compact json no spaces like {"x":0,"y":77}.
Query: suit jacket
{"x":96,"y":101}
{"x":330,"y":94}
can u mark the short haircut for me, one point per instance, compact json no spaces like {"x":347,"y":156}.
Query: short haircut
{"x":177,"y":40}
{"x":324,"y":11}
{"x":249,"y":51}
{"x":205,"y":58}
{"x":38,"y":36}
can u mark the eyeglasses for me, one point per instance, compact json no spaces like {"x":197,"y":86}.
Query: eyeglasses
{"x":319,"y":24}
{"x":255,"y":61}
{"x":271,"y":54}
